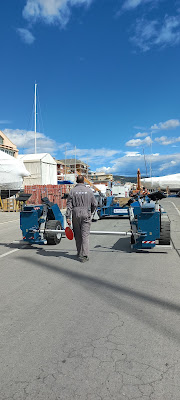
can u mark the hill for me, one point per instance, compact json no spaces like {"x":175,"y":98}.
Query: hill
{"x":124,"y":179}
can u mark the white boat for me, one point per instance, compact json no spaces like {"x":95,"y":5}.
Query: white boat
{"x":172,"y":182}
{"x":12,"y":172}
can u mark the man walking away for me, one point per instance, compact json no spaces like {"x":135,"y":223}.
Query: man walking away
{"x":81,"y":204}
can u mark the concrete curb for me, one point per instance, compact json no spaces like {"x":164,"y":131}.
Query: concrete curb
{"x":174,"y":216}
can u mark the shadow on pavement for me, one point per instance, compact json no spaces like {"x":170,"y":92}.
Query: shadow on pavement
{"x":122,"y":244}
{"x":121,"y":297}
{"x":57,"y":253}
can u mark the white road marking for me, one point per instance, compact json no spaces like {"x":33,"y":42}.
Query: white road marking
{"x":11,"y":251}
{"x":14,"y":220}
{"x":174,"y":206}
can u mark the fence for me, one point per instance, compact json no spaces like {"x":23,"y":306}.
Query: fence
{"x":9,"y":205}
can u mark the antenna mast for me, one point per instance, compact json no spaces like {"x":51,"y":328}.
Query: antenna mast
{"x":35,"y":114}
{"x":145,"y":162}
{"x":75,"y":161}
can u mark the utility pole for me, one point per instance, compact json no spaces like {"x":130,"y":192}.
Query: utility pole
{"x":35,"y":114}
{"x":65,"y":161}
{"x":75,"y":161}
{"x":87,"y":168}
{"x":145,"y":163}
{"x":151,"y":159}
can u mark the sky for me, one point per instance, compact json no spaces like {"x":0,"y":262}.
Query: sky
{"x":108,"y":81}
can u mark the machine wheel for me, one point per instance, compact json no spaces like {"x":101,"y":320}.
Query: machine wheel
{"x":53,"y":238}
{"x":165,"y":232}
{"x":99,"y":214}
{"x":132,"y":239}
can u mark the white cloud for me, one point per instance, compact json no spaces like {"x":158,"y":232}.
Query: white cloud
{"x":95,"y":152}
{"x":64,"y":146}
{"x":132,"y":153}
{"x":170,"y":124}
{"x":167,"y":165}
{"x":26,"y":36}
{"x":149,"y":33}
{"x":145,"y":34}
{"x":166,"y":141}
{"x":169,"y":33}
{"x":25,"y":140}
{"x":139,"y":127}
{"x":141,"y":134}
{"x":132,"y":4}
{"x":128,"y":165}
{"x":95,"y":156}
{"x":139,"y":142}
{"x":51,"y":11}
{"x":5,"y":121}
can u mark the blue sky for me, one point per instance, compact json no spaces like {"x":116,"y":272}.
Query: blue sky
{"x":108,"y":75}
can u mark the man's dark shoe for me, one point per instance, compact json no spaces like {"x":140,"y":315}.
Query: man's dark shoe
{"x":84,"y":259}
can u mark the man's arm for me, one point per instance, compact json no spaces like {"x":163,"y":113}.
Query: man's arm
{"x":93,"y":204}
{"x":69,"y":209}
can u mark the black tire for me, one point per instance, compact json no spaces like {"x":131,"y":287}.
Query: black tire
{"x":99,"y":214}
{"x":53,"y":238}
{"x":165,"y":232}
{"x":132,"y":239}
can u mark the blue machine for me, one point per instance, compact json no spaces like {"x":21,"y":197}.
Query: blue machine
{"x":36,"y":218}
{"x":109,"y":208}
{"x":149,"y":224}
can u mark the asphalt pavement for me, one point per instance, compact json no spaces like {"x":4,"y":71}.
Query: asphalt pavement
{"x":108,"y":329}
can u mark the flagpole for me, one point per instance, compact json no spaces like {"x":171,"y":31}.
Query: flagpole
{"x":35,"y":114}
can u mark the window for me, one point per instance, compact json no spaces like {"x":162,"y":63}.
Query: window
{"x":10,"y":152}
{"x":1,"y":140}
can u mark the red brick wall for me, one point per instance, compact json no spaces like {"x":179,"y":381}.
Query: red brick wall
{"x":53,"y":192}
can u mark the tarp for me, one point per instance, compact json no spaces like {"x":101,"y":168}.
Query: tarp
{"x":12,"y":172}
{"x":162,"y":182}
{"x":65,"y":183}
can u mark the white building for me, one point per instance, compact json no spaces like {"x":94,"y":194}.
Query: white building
{"x":42,"y":167}
{"x":121,"y":190}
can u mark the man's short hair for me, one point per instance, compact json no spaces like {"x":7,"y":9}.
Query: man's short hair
{"x":80,"y":179}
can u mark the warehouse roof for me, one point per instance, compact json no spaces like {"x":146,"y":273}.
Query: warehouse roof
{"x":46,"y":157}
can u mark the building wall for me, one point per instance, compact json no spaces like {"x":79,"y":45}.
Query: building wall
{"x":102,"y":178}
{"x":60,"y":169}
{"x":41,"y":173}
{"x":70,"y":164}
{"x":35,"y":177}
{"x":7,"y":146}
{"x":81,"y":168}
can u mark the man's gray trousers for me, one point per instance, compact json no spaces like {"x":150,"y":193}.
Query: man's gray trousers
{"x":81,"y":227}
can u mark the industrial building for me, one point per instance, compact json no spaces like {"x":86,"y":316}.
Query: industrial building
{"x":60,"y":170}
{"x":71,"y":165}
{"x":101,"y":177}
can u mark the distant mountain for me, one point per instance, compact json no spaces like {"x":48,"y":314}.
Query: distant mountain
{"x":124,"y":179}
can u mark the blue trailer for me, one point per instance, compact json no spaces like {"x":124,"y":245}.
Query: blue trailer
{"x":109,"y":207}
{"x":150,"y":225}
{"x":36,"y":221}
